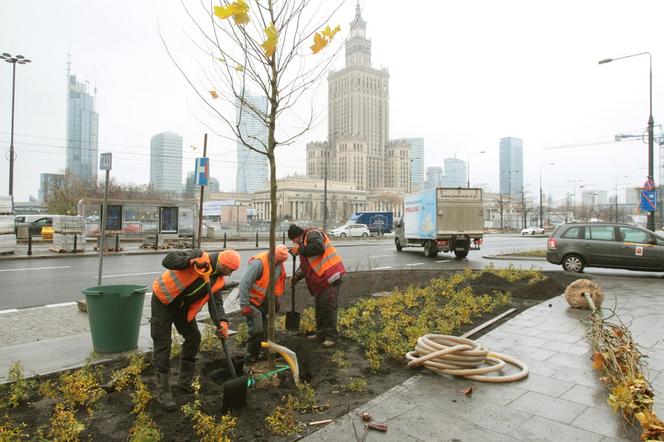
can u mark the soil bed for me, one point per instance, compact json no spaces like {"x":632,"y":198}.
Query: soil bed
{"x":112,"y":417}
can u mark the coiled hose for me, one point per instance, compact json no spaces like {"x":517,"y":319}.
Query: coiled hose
{"x":452,"y":355}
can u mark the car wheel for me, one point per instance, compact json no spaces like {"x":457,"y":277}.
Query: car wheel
{"x":365,"y":234}
{"x":342,"y":235}
{"x":398,"y":245}
{"x":573,"y":263}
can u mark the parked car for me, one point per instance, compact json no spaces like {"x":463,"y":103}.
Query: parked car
{"x":36,"y":227}
{"x":532,"y":231}
{"x":611,"y":245}
{"x":351,"y":230}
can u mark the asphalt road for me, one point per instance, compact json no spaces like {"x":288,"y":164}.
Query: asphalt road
{"x":30,"y":283}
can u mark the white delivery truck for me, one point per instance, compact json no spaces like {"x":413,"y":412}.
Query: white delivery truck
{"x":443,"y":219}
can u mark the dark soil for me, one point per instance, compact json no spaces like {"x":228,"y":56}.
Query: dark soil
{"x":112,"y":419}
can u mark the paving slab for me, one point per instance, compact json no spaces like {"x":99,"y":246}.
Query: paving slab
{"x":604,"y":422}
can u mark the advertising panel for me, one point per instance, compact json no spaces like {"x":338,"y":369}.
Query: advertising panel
{"x":420,"y":215}
{"x":168,"y":220}
{"x":114,"y":216}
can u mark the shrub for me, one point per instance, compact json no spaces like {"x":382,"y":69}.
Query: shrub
{"x":11,"y":431}
{"x":210,"y":341}
{"x":242,"y":334}
{"x":308,"y":320}
{"x":339,"y":359}
{"x":81,"y":388}
{"x":63,"y":425}
{"x":19,"y":387}
{"x":207,"y":427}
{"x":358,"y":385}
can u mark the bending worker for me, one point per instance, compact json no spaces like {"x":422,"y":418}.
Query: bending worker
{"x":322,"y":269}
{"x":178,"y":295}
{"x":253,"y":300}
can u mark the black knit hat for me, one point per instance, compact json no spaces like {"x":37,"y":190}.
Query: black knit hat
{"x":294,"y":231}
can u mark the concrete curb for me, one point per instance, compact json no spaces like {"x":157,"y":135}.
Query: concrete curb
{"x":512,"y":258}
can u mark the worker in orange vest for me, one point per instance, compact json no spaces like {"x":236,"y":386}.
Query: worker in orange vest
{"x":253,"y":288}
{"x":322,"y":269}
{"x":178,"y":295}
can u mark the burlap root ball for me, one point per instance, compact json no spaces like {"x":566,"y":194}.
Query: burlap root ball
{"x":574,"y":293}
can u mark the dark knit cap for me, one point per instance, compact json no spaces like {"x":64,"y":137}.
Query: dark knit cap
{"x":294,"y":231}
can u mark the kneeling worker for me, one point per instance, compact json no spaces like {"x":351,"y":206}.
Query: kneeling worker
{"x":178,"y":295}
{"x":253,"y":302}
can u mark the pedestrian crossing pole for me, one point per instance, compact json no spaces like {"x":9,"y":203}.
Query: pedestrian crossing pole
{"x":200,"y":207}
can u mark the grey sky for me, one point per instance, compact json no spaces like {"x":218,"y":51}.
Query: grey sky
{"x":462,"y":75}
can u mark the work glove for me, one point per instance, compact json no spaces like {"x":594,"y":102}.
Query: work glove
{"x":200,"y":263}
{"x":295,"y":250}
{"x":294,"y":279}
{"x":246,"y":311}
{"x":222,"y":331}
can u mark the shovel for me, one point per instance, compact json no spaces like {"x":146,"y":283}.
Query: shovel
{"x":293,"y":317}
{"x":235,"y":390}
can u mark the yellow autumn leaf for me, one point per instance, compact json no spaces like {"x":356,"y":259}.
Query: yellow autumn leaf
{"x":239,"y":68}
{"x":319,"y":43}
{"x":598,"y":361}
{"x":239,"y":10}
{"x":271,"y":38}
{"x":329,"y":33}
{"x":214,"y":94}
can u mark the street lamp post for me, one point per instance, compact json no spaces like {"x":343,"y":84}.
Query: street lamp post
{"x":574,"y":196}
{"x":9,"y":58}
{"x":541,"y":207}
{"x":468,"y":165}
{"x":616,"y":202}
{"x":651,"y":124}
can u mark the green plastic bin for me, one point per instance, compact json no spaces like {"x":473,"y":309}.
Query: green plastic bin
{"x":115,"y":313}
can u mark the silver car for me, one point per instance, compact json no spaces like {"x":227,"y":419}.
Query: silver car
{"x":611,"y":245}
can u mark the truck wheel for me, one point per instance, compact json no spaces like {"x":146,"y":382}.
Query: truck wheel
{"x":397,"y":244}
{"x":460,"y":254}
{"x":430,"y":249}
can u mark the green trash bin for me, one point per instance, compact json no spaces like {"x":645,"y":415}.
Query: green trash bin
{"x":115,"y":313}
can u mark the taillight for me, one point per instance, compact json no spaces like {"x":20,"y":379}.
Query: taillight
{"x":551,"y":244}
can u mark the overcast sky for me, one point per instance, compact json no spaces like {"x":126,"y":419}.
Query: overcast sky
{"x":462,"y":75}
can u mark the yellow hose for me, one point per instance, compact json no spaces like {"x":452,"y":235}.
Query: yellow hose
{"x":289,"y":356}
{"x":452,"y":355}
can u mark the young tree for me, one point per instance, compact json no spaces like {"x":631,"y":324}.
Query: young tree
{"x":271,"y":48}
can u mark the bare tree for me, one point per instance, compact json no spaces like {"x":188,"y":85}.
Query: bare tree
{"x":265,"y":48}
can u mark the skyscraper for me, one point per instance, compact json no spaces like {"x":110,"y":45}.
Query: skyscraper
{"x":416,"y":163}
{"x":48,"y":184}
{"x":455,"y":173}
{"x":358,"y":106}
{"x":434,"y":177}
{"x":166,"y":162}
{"x":252,"y":166}
{"x":82,"y":131}
{"x":511,"y":166}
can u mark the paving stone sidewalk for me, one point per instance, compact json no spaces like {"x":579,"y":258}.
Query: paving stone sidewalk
{"x":561,"y":400}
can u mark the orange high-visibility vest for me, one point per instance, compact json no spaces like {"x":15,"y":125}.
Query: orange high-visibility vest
{"x":172,"y":283}
{"x":258,"y":289}
{"x":321,"y":264}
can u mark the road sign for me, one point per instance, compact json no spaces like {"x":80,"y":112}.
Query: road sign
{"x":105,"y":161}
{"x":648,"y":200}
{"x":202,"y":171}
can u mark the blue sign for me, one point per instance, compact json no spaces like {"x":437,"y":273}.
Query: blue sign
{"x":648,"y":200}
{"x":202,"y":171}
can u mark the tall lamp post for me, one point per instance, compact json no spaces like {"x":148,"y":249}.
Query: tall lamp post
{"x":541,"y":207}
{"x":574,"y":196}
{"x":651,"y":124}
{"x":468,"y":164}
{"x":624,"y":176}
{"x":13,"y":59}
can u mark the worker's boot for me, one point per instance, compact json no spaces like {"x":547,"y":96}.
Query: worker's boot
{"x":187,"y":369}
{"x":164,"y":395}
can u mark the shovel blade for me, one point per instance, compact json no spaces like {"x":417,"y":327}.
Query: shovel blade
{"x":292,"y":321}
{"x":235,"y":394}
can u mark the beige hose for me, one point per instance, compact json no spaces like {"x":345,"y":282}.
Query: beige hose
{"x":451,"y":355}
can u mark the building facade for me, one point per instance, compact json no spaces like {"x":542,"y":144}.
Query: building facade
{"x":511,"y":166}
{"x":48,"y":184}
{"x":252,"y":166}
{"x":82,"y":132}
{"x":416,"y":163}
{"x":397,"y":165}
{"x":434,"y":177}
{"x":166,"y":162}
{"x":455,"y":173}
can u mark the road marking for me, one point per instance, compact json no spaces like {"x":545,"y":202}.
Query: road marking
{"x":131,"y":274}
{"x":383,"y":268}
{"x":380,"y":256}
{"x":62,"y":304}
{"x":444,"y":260}
{"x":35,"y":268}
{"x":416,"y":264}
{"x":10,"y":310}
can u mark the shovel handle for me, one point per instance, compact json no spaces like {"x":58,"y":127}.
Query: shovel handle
{"x":231,"y":367}
{"x":293,"y":287}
